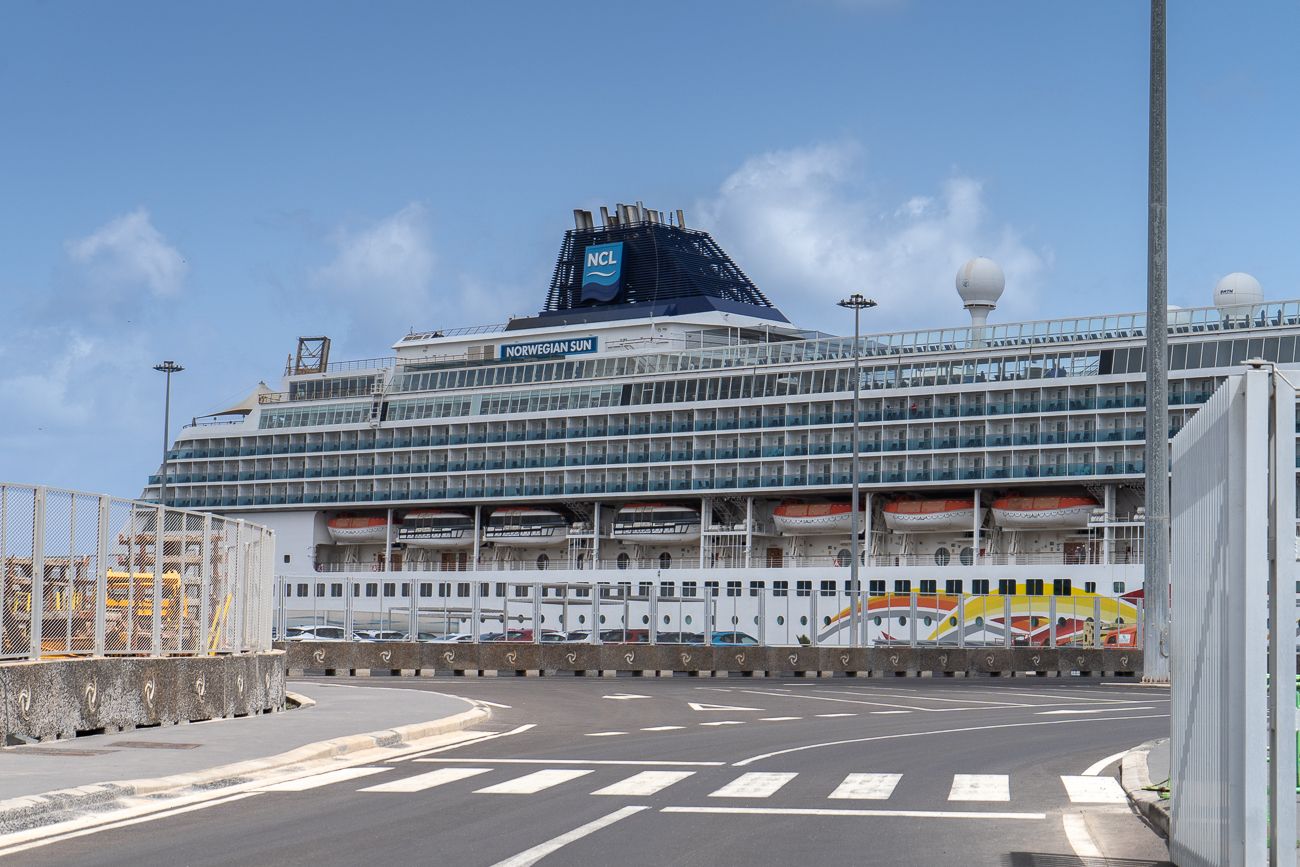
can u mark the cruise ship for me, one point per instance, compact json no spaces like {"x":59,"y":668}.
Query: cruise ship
{"x":662,"y":429}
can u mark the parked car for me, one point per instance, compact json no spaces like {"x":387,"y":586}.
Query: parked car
{"x":625,"y":636}
{"x":691,"y":638}
{"x":317,"y":633}
{"x":453,"y":638}
{"x":734,"y":639}
{"x":380,"y":635}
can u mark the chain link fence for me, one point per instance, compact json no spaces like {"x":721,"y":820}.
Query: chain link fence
{"x":88,"y":574}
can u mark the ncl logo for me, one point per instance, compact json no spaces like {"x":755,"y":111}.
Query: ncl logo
{"x":602,"y":271}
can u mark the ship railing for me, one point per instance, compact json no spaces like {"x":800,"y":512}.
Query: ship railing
{"x":731,"y":559}
{"x":819,"y":614}
{"x":85,"y":574}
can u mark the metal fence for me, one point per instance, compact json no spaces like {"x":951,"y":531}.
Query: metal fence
{"x":1233,"y":609}
{"x":805,"y":613}
{"x":87,"y":574}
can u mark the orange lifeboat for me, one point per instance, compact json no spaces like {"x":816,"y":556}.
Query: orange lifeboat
{"x":353,"y":530}
{"x":810,"y":519}
{"x":928,"y":516}
{"x":1043,"y":513}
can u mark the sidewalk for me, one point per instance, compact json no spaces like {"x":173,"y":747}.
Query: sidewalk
{"x":163,"y":752}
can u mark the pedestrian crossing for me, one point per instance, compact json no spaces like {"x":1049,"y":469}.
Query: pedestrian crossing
{"x":753,"y":785}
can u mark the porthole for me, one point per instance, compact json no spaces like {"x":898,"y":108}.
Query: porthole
{"x":803,"y":621}
{"x":780,"y":620}
{"x":688,"y":620}
{"x":902,"y":621}
{"x":755,"y":619}
{"x":952,"y":621}
{"x":542,"y":619}
{"x":645,"y":619}
{"x":844,"y":557}
{"x":602,"y":618}
{"x":826,"y":621}
{"x":667,"y":620}
{"x":734,"y":620}
{"x":979,"y":621}
{"x":876,"y":620}
{"x":926,"y":620}
{"x":941,"y":557}
{"x":582,"y":618}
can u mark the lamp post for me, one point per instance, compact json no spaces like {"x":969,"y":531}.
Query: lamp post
{"x":857,"y":303}
{"x":167,"y":367}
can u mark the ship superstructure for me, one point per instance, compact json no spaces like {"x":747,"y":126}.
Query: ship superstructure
{"x":660,"y":423}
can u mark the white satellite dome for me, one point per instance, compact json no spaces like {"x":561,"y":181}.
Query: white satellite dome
{"x":1238,"y":290}
{"x":980,"y":282}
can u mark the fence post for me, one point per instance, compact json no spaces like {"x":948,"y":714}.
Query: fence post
{"x":159,"y":547}
{"x":36,"y":623}
{"x":101,"y":576}
{"x":1051,"y":621}
{"x":476,"y":609}
{"x":654,"y":612}
{"x":1096,"y":622}
{"x":961,"y":619}
{"x":911,"y":620}
{"x":413,"y":629}
{"x":205,"y":589}
{"x":535,"y":590}
{"x":1006,"y":621}
{"x":762,"y":615}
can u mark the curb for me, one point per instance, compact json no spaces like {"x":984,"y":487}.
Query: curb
{"x":298,"y":700}
{"x":31,"y":811}
{"x":1135,"y":777}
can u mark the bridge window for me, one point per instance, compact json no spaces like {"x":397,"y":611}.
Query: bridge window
{"x":780,"y":588}
{"x":903,"y":586}
{"x":733,"y":588}
{"x":980,"y":586}
{"x":828,"y":588}
{"x":390,"y":588}
{"x":1034,"y":587}
{"x":302,"y":589}
{"x":756,"y":587}
{"x":929,"y":586}
{"x":1007,"y":586}
{"x":876,"y":587}
{"x":1061,"y":587}
{"x":953,"y":586}
{"x":336,"y":591}
{"x":803,"y":588}
{"x":426,"y":589}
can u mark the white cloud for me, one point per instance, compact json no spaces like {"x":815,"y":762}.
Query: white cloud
{"x":806,"y":230}
{"x":127,"y":252}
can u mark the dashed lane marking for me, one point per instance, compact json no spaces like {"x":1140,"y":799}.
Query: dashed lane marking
{"x":641,"y":763}
{"x":530,"y":784}
{"x":1094,"y":790}
{"x":830,"y":715}
{"x":531,"y":856}
{"x":907,"y":814}
{"x":778,"y":718}
{"x":887,"y":712}
{"x":662,"y":728}
{"x":421,"y":782}
{"x":1093,"y":710}
{"x":644,"y":784}
{"x":724,"y":722}
{"x":604,"y":734}
{"x":980,"y":787}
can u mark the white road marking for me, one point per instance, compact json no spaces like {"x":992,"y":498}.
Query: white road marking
{"x":871,"y":787}
{"x":1098,"y":766}
{"x":829,"y":715}
{"x":662,"y":728}
{"x":456,"y":740}
{"x":302,"y":784}
{"x":645,"y":783}
{"x":125,"y":823}
{"x":1076,"y":832}
{"x":845,"y":700}
{"x":421,"y":782}
{"x":623,"y":696}
{"x":532,"y":783}
{"x":724,"y":722}
{"x":900,"y":735}
{"x":1094,"y":710}
{"x":492,"y":703}
{"x":531,"y":856}
{"x":695,"y":705}
{"x":1094,"y":790}
{"x":778,"y":718}
{"x":980,"y":787}
{"x":907,"y":814}
{"x":645,"y":763}
{"x":887,"y":712}
{"x":604,"y":734}
{"x":753,"y":785}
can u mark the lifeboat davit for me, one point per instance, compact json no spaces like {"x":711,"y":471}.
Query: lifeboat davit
{"x":811,"y":519}
{"x":351,"y":530}
{"x":526,"y":526}
{"x":928,"y":516}
{"x":1043,"y":513}
{"x":436,"y":528}
{"x":656,"y":522}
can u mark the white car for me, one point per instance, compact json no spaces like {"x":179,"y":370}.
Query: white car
{"x":453,"y":638}
{"x":317,"y":633}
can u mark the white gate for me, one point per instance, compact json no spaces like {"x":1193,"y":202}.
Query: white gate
{"x":1233,"y":539}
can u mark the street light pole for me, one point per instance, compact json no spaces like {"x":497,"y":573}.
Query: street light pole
{"x":167,"y":367}
{"x":857,"y":303}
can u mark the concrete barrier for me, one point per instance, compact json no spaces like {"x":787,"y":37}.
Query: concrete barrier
{"x":512,"y":658}
{"x":59,"y":698}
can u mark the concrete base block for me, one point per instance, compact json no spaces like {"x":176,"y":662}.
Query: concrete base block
{"x":360,"y":672}
{"x":488,"y":672}
{"x":665,"y":672}
{"x":406,"y":672}
{"x":608,"y":672}
{"x":425,"y":672}
{"x":532,"y":672}
{"x":296,"y":672}
{"x":470,"y":672}
{"x":825,"y":674}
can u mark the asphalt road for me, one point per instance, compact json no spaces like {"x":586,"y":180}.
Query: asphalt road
{"x":684,"y":771}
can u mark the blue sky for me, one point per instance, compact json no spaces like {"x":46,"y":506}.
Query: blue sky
{"x":206,"y":182}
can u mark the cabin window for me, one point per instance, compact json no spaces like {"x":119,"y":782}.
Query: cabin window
{"x":756,"y":587}
{"x":1034,"y":587}
{"x":876,"y":587}
{"x":462,"y":589}
{"x":302,"y":589}
{"x":1089,"y":586}
{"x":980,"y":586}
{"x":390,"y":588}
{"x":903,"y":586}
{"x":288,"y":590}
{"x":953,"y":586}
{"x":645,"y":588}
{"x":286,"y":558}
{"x":336,"y":591}
{"x":444,"y":589}
{"x":780,"y":588}
{"x":929,"y":586}
{"x":1117,"y":587}
{"x":710,"y":588}
{"x":1007,"y":586}
{"x":665,"y":560}
{"x":733,"y":588}
{"x":688,"y":589}
{"x":803,"y":588}
{"x":1061,"y":587}
{"x":501,"y":589}
{"x":320,"y":590}
{"x":521,"y":590}
{"x":372,"y":589}
{"x":828,"y":588}
{"x":667,"y":588}
{"x":426,"y":589}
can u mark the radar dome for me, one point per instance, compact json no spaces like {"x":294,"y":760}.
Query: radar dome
{"x":980,"y":281}
{"x":1238,"y":290}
